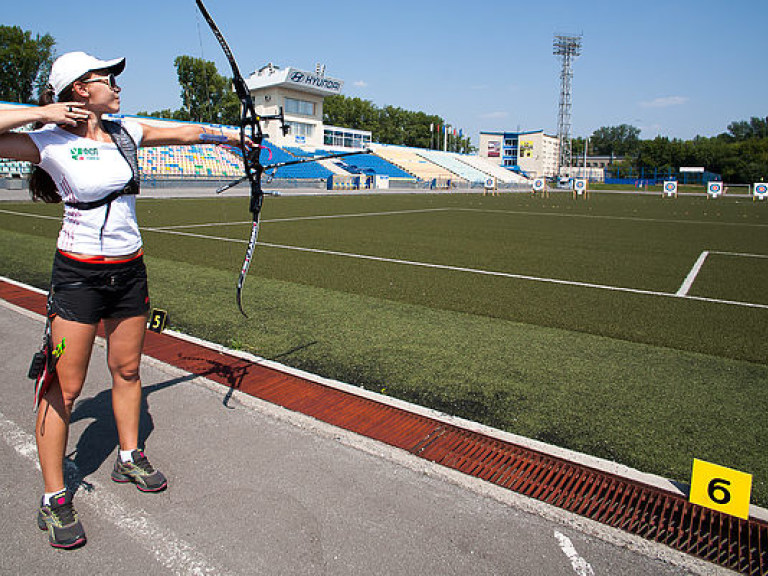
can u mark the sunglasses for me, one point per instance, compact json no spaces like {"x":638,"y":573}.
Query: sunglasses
{"x":109,"y":80}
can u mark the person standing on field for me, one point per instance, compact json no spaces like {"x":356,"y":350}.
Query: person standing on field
{"x":90,"y":164}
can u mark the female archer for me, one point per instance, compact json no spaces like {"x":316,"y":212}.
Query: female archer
{"x":90,"y":163}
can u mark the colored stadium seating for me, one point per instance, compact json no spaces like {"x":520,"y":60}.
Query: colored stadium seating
{"x":13,"y":169}
{"x":498,"y":172}
{"x":310,"y":170}
{"x":409,"y":160}
{"x":201,"y":161}
{"x":371,"y":163}
{"x":362,"y":163}
{"x":451,"y":162}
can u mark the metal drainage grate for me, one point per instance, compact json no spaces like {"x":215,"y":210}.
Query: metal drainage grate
{"x":664,"y":517}
{"x":646,"y":511}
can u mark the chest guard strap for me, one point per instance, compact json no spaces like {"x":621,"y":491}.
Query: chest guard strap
{"x":129,"y":151}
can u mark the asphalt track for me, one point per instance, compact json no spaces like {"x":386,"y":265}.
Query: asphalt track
{"x":256,"y":489}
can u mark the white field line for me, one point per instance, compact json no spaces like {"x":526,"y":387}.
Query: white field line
{"x":166,"y":230}
{"x":598,"y":217}
{"x":742,"y":254}
{"x":461,"y":269}
{"x":41,"y":216}
{"x":300,"y":218}
{"x":169,"y":550}
{"x":580,"y":566}
{"x":332,"y":216}
{"x":514,"y":212}
{"x":206,"y":225}
{"x":193,"y":235}
{"x":688,"y":282}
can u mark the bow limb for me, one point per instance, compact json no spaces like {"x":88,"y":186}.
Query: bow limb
{"x":250,"y":127}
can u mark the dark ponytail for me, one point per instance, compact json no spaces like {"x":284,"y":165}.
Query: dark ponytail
{"x":41,"y":185}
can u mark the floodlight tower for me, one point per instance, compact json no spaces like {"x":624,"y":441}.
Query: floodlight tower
{"x":567,"y":47}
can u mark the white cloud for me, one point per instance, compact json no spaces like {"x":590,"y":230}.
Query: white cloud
{"x":494,"y":115}
{"x":360,"y":83}
{"x":665,"y":102}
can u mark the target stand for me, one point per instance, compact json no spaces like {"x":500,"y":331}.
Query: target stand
{"x":714,"y":190}
{"x":580,"y":188}
{"x":540,"y":187}
{"x":669,"y":190}
{"x":490,"y":186}
{"x":760,"y":191}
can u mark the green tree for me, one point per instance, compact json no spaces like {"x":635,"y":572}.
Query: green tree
{"x":25,"y":64}
{"x":661,"y":153}
{"x":746,"y":162}
{"x":352,"y":113}
{"x":390,"y":124}
{"x":577,"y":149}
{"x":739,"y":155}
{"x":206,"y":95}
{"x":619,"y":140}
{"x":753,"y":128}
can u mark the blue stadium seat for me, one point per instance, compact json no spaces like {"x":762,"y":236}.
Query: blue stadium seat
{"x":309,"y":170}
{"x":364,"y":163}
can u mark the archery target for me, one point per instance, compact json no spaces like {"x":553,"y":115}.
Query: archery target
{"x":715,"y":188}
{"x":670,"y":188}
{"x":538,"y":184}
{"x":761,"y":190}
{"x":490,"y":183}
{"x":580,"y":186}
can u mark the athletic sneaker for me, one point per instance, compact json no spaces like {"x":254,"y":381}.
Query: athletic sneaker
{"x":140,"y":472}
{"x":62,"y":522}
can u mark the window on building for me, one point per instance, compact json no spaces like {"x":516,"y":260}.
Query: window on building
{"x":344,"y":139}
{"x":300,"y":129}
{"x":301,"y":107}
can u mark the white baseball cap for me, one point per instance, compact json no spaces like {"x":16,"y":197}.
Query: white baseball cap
{"x":72,"y":65}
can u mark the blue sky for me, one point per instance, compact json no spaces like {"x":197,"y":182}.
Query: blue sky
{"x":677,"y":68}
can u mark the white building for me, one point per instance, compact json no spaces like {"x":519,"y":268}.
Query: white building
{"x":531,"y":153}
{"x":301,"y":95}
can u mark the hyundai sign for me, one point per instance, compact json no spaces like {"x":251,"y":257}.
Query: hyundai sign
{"x":297,"y":79}
{"x":305,"y":79}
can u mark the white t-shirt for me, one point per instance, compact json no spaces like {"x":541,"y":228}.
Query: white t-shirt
{"x":86,"y":170}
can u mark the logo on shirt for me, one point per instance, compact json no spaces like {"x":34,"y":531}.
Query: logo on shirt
{"x":84,"y":153}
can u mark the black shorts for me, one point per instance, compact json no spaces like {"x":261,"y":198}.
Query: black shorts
{"x":86,"y":292}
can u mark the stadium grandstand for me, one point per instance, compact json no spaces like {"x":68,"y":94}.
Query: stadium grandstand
{"x":501,"y":174}
{"x":409,"y":160}
{"x":476,"y":174}
{"x":400,"y":165}
{"x":189,"y":162}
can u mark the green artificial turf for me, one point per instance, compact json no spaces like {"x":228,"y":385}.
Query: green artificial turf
{"x":647,"y":380}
